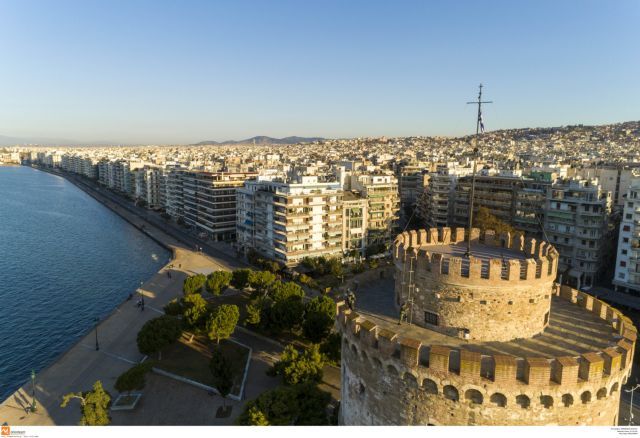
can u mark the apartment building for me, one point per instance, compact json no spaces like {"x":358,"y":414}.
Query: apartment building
{"x":411,"y":183}
{"x":354,"y":224}
{"x":287,"y":221}
{"x":209,"y":201}
{"x":576,"y":222}
{"x":151,"y":186}
{"x":627,"y":268}
{"x":381,"y":192}
{"x":435,"y":205}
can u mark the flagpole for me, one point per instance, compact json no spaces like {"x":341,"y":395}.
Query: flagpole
{"x":479,"y":125}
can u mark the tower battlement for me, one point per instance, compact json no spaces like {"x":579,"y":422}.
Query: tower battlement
{"x":503,"y":258}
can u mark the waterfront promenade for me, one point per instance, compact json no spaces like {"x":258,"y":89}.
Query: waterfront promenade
{"x":82,"y":365}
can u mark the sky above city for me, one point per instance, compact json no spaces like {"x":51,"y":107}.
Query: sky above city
{"x":162,"y":72}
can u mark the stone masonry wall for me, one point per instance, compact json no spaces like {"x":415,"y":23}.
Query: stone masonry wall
{"x":483,"y":300}
{"x":387,"y":380}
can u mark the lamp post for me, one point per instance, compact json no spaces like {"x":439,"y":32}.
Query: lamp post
{"x":33,"y":390}
{"x":97,"y":320}
{"x":141,"y":297}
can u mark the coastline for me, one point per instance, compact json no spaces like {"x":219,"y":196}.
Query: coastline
{"x":61,"y":372}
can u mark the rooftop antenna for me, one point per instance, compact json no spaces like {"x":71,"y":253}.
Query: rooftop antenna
{"x":479,"y":130}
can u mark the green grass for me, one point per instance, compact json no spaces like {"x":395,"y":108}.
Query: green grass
{"x":191,"y":360}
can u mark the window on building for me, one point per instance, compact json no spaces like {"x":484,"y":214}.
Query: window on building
{"x":628,"y":216}
{"x":624,"y":252}
{"x":625,"y":240}
{"x":623,"y":263}
{"x":431,"y":318}
{"x":626,"y":228}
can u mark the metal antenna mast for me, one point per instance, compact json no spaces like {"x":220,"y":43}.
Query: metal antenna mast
{"x":479,"y":130}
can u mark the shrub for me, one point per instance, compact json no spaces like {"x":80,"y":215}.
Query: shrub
{"x":331,"y":348}
{"x":134,"y":378}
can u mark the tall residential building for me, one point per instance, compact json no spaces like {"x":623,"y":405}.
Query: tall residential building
{"x":576,"y":221}
{"x":354,"y":224}
{"x":411,"y":183}
{"x":435,"y":206}
{"x":287,"y":221}
{"x":627,"y":272}
{"x":151,"y":186}
{"x":381,"y":192}
{"x":209,"y":201}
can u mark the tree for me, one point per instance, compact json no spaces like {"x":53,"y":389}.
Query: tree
{"x":95,"y":405}
{"x":484,"y":220}
{"x":222,"y":372}
{"x":303,"y":405}
{"x":173,"y":308}
{"x":331,"y":349}
{"x":254,"y":311}
{"x":133,"y":379}
{"x":287,"y":308}
{"x":222,"y":322}
{"x":334,"y":267}
{"x":194,"y":310}
{"x":319,"y":316}
{"x":157,"y":334}
{"x":255,"y":417}
{"x":296,"y":367}
{"x":260,"y":280}
{"x":218,"y":281}
{"x":240,"y":278}
{"x":193,"y":284}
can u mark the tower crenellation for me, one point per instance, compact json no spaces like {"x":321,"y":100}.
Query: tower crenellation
{"x":487,"y":340}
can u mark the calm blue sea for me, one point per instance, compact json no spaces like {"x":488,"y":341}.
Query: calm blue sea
{"x":64,"y":260}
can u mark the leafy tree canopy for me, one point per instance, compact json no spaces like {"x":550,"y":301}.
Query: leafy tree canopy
{"x":158,"y":333}
{"x":484,"y":220}
{"x":193,"y":284}
{"x":319,"y":316}
{"x":222,"y":372}
{"x":194,"y":310}
{"x":222,"y":321}
{"x":218,"y":281}
{"x":95,"y":405}
{"x":240,"y":278}
{"x":260,"y":280}
{"x":296,"y":367}
{"x":331,"y":349}
{"x":303,"y":405}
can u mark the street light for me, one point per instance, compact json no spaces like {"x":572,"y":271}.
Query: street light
{"x":141,"y":297}
{"x":97,"y":320}
{"x":33,"y":390}
{"x":631,"y":403}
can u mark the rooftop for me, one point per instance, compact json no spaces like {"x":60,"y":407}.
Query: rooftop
{"x":572,"y":330}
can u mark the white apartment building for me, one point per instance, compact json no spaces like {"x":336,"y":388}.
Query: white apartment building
{"x":381,"y":192}
{"x":287,"y":221}
{"x":627,"y":272}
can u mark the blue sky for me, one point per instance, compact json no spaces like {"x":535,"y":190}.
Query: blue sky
{"x":185,"y":71}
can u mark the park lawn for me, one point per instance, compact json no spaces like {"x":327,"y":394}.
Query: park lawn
{"x":191,"y":360}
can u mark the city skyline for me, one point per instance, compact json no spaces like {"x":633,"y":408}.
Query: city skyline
{"x":144,"y":73}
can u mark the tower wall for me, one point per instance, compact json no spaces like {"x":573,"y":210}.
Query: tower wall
{"x":387,"y":380}
{"x":495,"y":299}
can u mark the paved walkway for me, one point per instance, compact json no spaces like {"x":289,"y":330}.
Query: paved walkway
{"x":82,"y":365}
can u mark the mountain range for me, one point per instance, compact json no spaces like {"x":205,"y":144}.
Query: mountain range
{"x":263,"y":139}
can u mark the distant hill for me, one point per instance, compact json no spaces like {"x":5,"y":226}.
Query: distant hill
{"x":263,"y":139}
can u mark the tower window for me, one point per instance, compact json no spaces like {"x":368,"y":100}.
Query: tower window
{"x":431,"y":318}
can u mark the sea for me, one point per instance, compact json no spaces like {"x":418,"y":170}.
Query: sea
{"x":65,"y":259}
